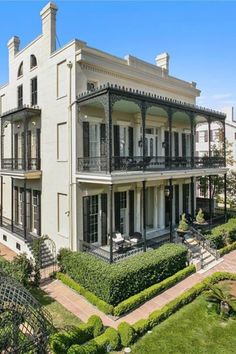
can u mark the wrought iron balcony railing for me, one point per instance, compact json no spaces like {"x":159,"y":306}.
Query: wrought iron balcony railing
{"x":149,"y":163}
{"x":32,"y":164}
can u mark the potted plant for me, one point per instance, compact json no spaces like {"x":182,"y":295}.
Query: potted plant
{"x":200,"y":220}
{"x":183,"y":226}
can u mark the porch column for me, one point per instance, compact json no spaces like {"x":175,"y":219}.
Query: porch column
{"x":210,"y":199}
{"x":1,"y":200}
{"x":225,"y":197}
{"x":143,"y":115}
{"x":155,"y":209}
{"x":138,"y":210}
{"x":171,"y":209}
{"x":192,"y":117}
{"x":111,"y":222}
{"x":25,"y":210}
{"x":192,"y":197}
{"x":170,"y":136}
{"x":162,"y":208}
{"x":12,"y":203}
{"x":144,"y":216}
{"x":209,"y":137}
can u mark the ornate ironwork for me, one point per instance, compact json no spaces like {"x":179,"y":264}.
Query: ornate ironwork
{"x":25,"y":325}
{"x":32,"y":164}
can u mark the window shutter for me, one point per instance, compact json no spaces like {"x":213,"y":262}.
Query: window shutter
{"x":86,"y":139}
{"x":131,"y":142}
{"x":29,"y":148}
{"x":176,"y":140}
{"x":16,"y":205}
{"x":103,"y":140}
{"x":116,"y":130}
{"x":131,"y":213}
{"x":38,"y":148}
{"x":28,"y":210}
{"x":167,"y":150}
{"x":117,"y":211}
{"x":86,"y":202}
{"x":197,"y":137}
{"x":104,"y":218}
{"x":184,"y":145}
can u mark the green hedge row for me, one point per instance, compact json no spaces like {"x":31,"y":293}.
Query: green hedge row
{"x":117,"y":282}
{"x":92,"y":298}
{"x":60,"y":342}
{"x":223,"y":234}
{"x":138,"y":299}
{"x":19,"y":268}
{"x":227,"y":249}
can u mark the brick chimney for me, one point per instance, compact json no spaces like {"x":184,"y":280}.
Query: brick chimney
{"x":48,"y":16}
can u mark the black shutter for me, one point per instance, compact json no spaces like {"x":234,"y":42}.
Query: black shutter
{"x":131,"y":213}
{"x":117,"y":211}
{"x":29,"y":149}
{"x":131,"y":142}
{"x":176,"y":141}
{"x":16,"y":146}
{"x":103,"y":140}
{"x":86,"y":204}
{"x":86,"y":139}
{"x":38,"y":148}
{"x":183,"y":144}
{"x":104,"y":218}
{"x":116,"y":130}
{"x":23,"y":150}
{"x":167,"y":150}
{"x":28,"y":210}
{"x":16,"y":205}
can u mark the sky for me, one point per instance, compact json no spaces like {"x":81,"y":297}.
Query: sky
{"x":200,"y":36}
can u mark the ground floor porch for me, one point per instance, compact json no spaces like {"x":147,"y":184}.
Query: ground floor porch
{"x":118,"y":220}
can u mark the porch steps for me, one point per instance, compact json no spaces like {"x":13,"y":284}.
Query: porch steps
{"x":47,"y":257}
{"x":198,"y":251}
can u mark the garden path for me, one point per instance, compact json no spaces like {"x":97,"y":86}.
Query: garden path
{"x":83,"y":309}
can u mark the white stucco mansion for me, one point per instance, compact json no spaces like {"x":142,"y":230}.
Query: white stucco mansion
{"x":92,"y":144}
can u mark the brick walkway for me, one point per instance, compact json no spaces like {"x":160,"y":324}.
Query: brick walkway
{"x":83,"y":309}
{"x":6,"y":252}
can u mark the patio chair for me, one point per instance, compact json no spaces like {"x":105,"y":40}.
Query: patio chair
{"x":135,"y":238}
{"x":118,"y":240}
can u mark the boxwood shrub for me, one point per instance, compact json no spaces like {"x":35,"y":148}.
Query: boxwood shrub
{"x":115,"y":283}
{"x":227,"y":249}
{"x":224,"y":234}
{"x":127,"y":334}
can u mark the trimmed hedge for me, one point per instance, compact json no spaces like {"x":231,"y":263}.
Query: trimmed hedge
{"x":20,"y":268}
{"x":93,"y":299}
{"x":117,"y":282}
{"x":61,"y":341}
{"x":227,"y":249}
{"x":156,"y":317}
{"x":138,"y":299}
{"x":127,"y":334}
{"x":223,"y":234}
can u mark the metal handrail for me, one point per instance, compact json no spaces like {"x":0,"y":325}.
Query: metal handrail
{"x":205,"y":243}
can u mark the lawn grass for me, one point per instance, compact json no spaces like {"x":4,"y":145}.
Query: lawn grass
{"x":62,"y":318}
{"x":195,"y":329}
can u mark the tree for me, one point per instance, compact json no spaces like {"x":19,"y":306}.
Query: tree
{"x":225,"y":302}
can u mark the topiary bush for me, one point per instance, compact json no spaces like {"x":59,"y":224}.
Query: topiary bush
{"x":109,"y":338}
{"x":200,"y":217}
{"x":115,"y":283}
{"x":88,"y":348}
{"x":183,"y":225}
{"x":127,"y":334}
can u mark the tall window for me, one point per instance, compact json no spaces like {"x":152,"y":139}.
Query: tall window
{"x":93,"y":219}
{"x":33,"y":61}
{"x":94,"y":140}
{"x":20,"y":96}
{"x":34,"y":91}
{"x":123,"y":141}
{"x":20,"y":70}
{"x":123,"y":205}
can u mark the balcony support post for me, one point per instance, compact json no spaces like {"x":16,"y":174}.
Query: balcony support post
{"x":192,"y":122}
{"x":192,"y":197}
{"x":143,"y":116}
{"x":25,"y":210}
{"x":144,"y":217}
{"x":170,"y":114}
{"x":171,"y":208}
{"x":225,"y":197}
{"x":210,"y":199}
{"x":1,"y":200}
{"x":12,"y":202}
{"x":209,"y":138}
{"x":111,"y":222}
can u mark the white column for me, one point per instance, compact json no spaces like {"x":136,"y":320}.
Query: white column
{"x":138,"y":214}
{"x":162,"y":208}
{"x":155,"y":209}
{"x":180,"y":198}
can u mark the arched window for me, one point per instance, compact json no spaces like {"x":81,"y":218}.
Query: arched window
{"x":20,"y":70}
{"x":33,"y":61}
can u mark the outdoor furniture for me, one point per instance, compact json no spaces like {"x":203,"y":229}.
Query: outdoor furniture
{"x":118,"y":240}
{"x":135,"y":238}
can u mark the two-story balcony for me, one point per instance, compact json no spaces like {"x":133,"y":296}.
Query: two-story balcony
{"x":20,"y":142}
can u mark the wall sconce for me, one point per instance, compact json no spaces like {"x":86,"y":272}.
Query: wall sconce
{"x":140,"y":143}
{"x":6,"y":125}
{"x":34,"y":123}
{"x":169,"y":192}
{"x":18,"y":126}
